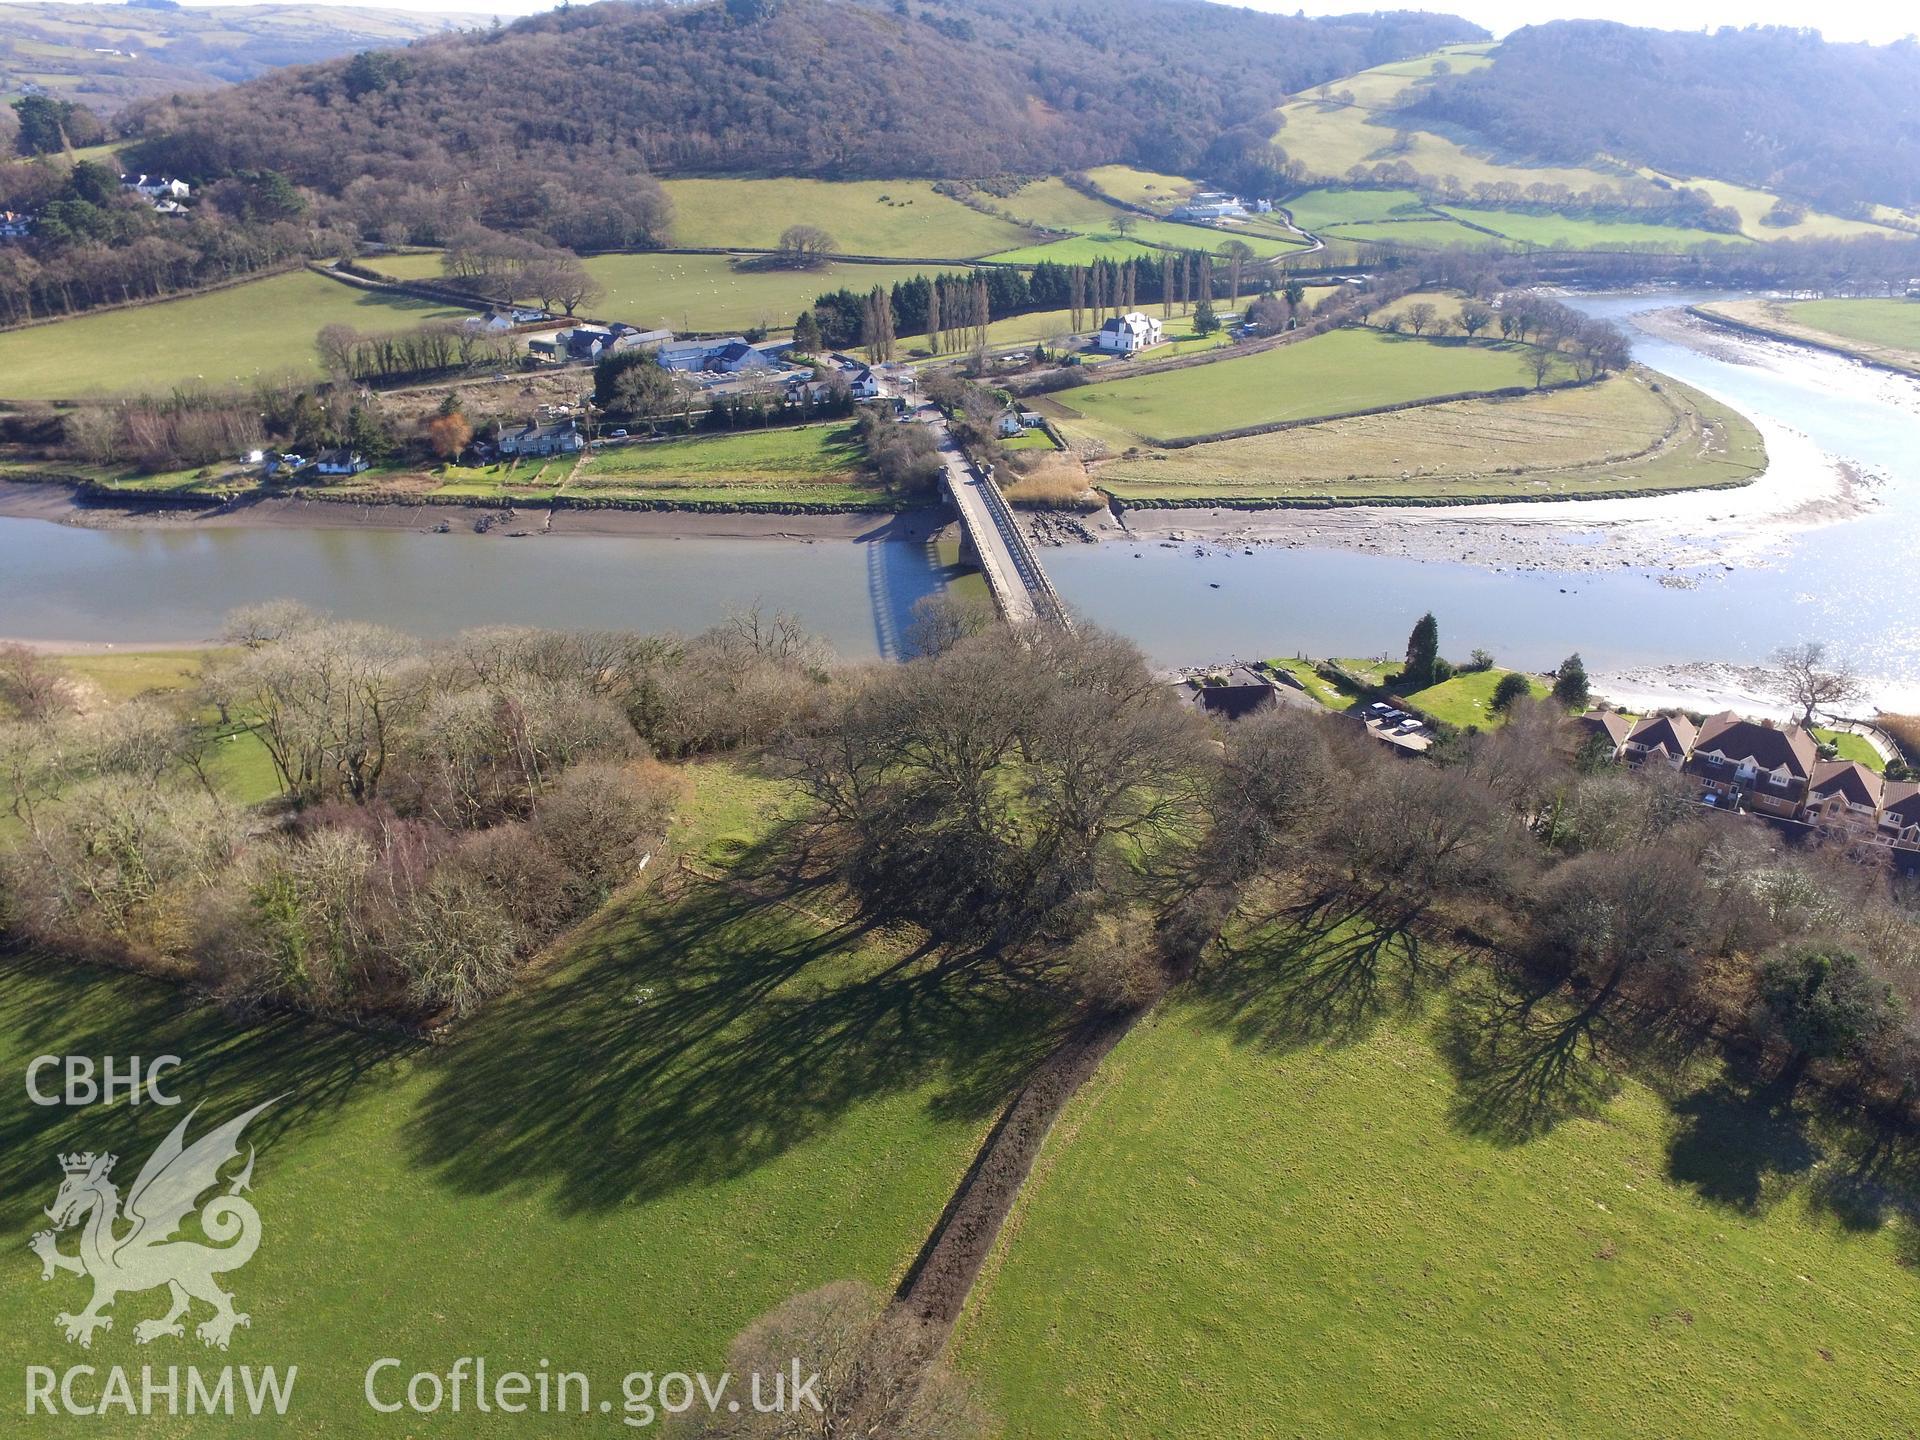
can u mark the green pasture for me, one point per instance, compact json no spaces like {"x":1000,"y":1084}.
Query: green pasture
{"x":1342,"y":371}
{"x":1317,"y":1199}
{"x":232,"y":336}
{"x":865,"y":217}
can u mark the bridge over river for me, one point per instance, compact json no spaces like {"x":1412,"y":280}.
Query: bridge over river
{"x":1020,"y":588}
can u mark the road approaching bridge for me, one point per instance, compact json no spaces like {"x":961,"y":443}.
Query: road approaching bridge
{"x":1020,"y":588}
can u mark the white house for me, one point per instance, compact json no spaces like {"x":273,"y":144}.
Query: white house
{"x":1210,"y":206}
{"x":339,"y":462}
{"x":1011,"y":425}
{"x":1129,"y":334}
{"x":157,"y":187}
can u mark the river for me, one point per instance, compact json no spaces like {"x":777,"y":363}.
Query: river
{"x":1721,"y":576}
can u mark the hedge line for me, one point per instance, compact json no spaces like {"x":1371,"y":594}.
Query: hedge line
{"x":94,"y":492}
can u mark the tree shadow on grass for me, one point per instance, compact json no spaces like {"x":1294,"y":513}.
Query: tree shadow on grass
{"x":1524,"y":1059}
{"x":692,"y":1040}
{"x":59,"y":1007}
{"x":1873,"y":1181}
{"x":1317,"y":976}
{"x":1740,"y":1143}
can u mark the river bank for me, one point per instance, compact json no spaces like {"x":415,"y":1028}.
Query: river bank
{"x":57,"y":503}
{"x":1666,"y":537}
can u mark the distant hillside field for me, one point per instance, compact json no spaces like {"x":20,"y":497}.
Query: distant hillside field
{"x":1836,"y":124}
{"x":225,"y":336}
{"x":699,"y":293}
{"x":865,"y":217}
{"x":1381,"y":116}
{"x":109,"y":56}
{"x":1290,"y":1155}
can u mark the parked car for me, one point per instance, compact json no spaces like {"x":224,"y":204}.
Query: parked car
{"x":616,"y":434}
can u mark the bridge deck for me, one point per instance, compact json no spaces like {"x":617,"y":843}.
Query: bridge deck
{"x":1019,"y":585}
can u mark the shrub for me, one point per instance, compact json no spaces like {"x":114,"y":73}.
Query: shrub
{"x":1513,"y":687}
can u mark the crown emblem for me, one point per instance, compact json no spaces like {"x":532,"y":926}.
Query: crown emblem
{"x":81,"y":1164}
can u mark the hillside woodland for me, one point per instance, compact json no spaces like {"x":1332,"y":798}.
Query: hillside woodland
{"x":1834,"y":125}
{"x":567,"y":112}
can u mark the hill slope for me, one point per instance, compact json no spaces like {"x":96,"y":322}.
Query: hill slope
{"x":839,"y":88}
{"x":1835,"y":124}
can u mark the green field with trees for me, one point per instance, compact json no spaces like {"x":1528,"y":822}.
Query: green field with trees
{"x":432,"y":1201}
{"x":1557,"y":1102}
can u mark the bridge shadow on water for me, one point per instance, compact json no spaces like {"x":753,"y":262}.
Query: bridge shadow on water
{"x":903,"y":568}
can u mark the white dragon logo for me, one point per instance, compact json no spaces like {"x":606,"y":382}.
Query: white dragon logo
{"x":148,"y":1255}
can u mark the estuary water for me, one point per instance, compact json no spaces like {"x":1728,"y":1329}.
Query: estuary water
{"x":1825,"y":548}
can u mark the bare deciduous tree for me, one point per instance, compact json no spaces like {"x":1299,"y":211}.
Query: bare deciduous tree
{"x":805,"y":246}
{"x":1813,"y":682}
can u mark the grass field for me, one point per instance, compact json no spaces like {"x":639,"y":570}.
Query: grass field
{"x":1057,"y":205}
{"x":1894,"y":324}
{"x":1288,"y":1157}
{"x":1143,"y":187}
{"x":702,"y":1107}
{"x":1621,"y":434}
{"x":865,"y":217}
{"x":1587,"y":232}
{"x":1434,"y":234}
{"x":690,"y":293}
{"x":1080,"y":250}
{"x":1318,"y":686}
{"x":799,"y":465}
{"x":818,"y":465}
{"x":1467,"y":699}
{"x":1340,"y":371}
{"x":232,"y":335}
{"x":1886,"y":332}
{"x":236,"y":763}
{"x":1337,"y":205}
